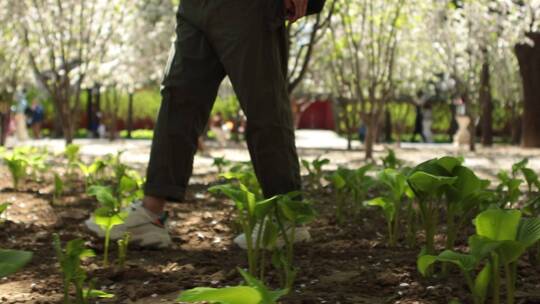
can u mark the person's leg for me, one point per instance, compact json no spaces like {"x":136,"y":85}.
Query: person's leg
{"x":253,"y":53}
{"x":190,"y":88}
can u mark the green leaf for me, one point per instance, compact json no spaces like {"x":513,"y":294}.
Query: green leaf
{"x":13,"y":260}
{"x":263,"y":207}
{"x":338,"y":181}
{"x":298,"y":212}
{"x":424,"y":262}
{"x":3,"y":207}
{"x":510,"y":251}
{"x":127,"y":184}
{"x":519,"y":166}
{"x":529,"y":231}
{"x":466,"y":184}
{"x":395,"y":181}
{"x":427,"y":184}
{"x":388,"y":207}
{"x":228,"y":295}
{"x":449,"y":162}
{"x":465,"y":262}
{"x":104,"y":196}
{"x":232,"y":192}
{"x":530,"y":177}
{"x":270,"y":235}
{"x":92,"y":294}
{"x":268,"y":297}
{"x":106,"y":220}
{"x":482,"y":247}
{"x":360,"y":172}
{"x":498,"y":225}
{"x":481,"y":283}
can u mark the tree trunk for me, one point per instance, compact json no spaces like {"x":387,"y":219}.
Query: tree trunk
{"x":5,"y":127}
{"x":487,"y":105}
{"x":387,"y":126}
{"x":370,"y":140}
{"x":130,"y":115}
{"x":529,"y":66}
{"x":371,"y":122}
{"x":68,"y":129}
{"x":472,"y":124}
{"x":68,"y":122}
{"x":89,"y":109}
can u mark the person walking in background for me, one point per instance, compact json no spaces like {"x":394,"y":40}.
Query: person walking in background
{"x":427,"y":122}
{"x":453,"y":122}
{"x":20,"y":117}
{"x":246,"y":40}
{"x":418,"y":126}
{"x":37,"y":116}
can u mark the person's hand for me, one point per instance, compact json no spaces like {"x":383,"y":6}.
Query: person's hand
{"x":295,"y":9}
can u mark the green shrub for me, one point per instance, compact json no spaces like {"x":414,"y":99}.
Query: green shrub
{"x":502,"y":237}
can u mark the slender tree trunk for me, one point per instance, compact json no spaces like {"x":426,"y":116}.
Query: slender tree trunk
{"x":130,"y":115}
{"x":68,"y":129}
{"x":472,"y":124}
{"x":371,"y":122}
{"x":487,"y":106}
{"x":89,"y":109}
{"x":529,"y":66}
{"x":387,"y":126}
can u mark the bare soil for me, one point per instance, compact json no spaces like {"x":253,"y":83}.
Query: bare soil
{"x":348,"y":264}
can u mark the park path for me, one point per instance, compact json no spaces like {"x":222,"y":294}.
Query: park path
{"x":311,"y":144}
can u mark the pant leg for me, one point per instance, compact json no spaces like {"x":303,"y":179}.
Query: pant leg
{"x":190,"y":87}
{"x":252,"y":48}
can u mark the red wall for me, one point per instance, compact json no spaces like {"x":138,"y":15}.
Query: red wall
{"x":318,"y":115}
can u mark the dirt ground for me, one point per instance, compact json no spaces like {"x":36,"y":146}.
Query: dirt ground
{"x":348,"y":264}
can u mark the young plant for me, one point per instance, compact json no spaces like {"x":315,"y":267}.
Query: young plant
{"x":72,"y":153}
{"x":220,"y":163}
{"x":17,"y":166}
{"x":463,"y":199}
{"x":289,"y":212}
{"x":108,"y":215}
{"x":315,"y":171}
{"x":502,"y":236}
{"x":254,"y":293}
{"x":123,"y":245}
{"x":390,"y":161}
{"x":36,"y":160}
{"x":339,"y":183}
{"x":508,"y":189}
{"x":250,"y":214}
{"x":130,"y":188}
{"x":244,"y":174}
{"x":268,"y":224}
{"x":350,"y":183}
{"x":92,"y":172}
{"x":58,"y":187}
{"x":391,"y":204}
{"x":70,"y":259}
{"x":429,"y":181}
{"x":530,"y":176}
{"x":358,"y":183}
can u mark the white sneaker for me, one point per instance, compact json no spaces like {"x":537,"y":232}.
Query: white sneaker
{"x":301,"y":235}
{"x":145,"y":229}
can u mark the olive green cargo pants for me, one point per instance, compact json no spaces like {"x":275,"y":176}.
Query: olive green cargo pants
{"x":244,"y":39}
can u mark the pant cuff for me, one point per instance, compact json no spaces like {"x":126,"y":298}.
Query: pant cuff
{"x":173,"y":194}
